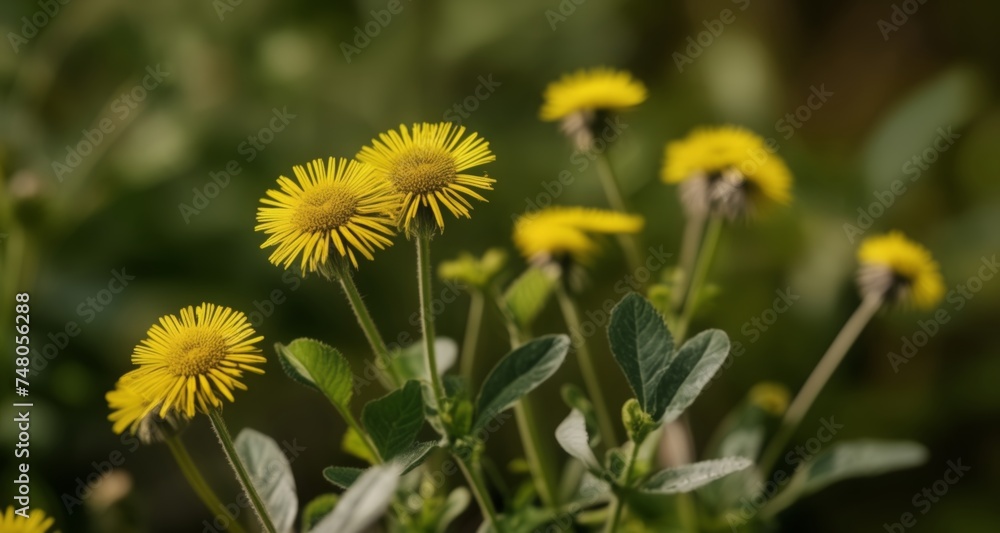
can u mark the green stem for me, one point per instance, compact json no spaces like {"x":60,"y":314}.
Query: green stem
{"x":694,"y":230}
{"x":703,"y":264}
{"x":817,"y":380}
{"x":619,"y":504}
{"x":367,"y":323}
{"x":198,"y":483}
{"x":472,"y":327}
{"x":613,"y":192}
{"x":587,"y":369}
{"x":475,"y":479}
{"x":531,"y":441}
{"x":427,"y":314}
{"x":222,"y":432}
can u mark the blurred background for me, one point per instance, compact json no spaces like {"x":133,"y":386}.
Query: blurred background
{"x":137,"y":137}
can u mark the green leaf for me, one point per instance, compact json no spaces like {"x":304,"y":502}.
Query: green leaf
{"x":409,"y":361}
{"x":342,"y":476}
{"x":517,"y":374}
{"x":415,"y":455}
{"x":364,"y":503}
{"x":689,"y":477}
{"x":576,"y":399}
{"x":354,"y":444}
{"x":527,"y":295}
{"x":572,"y":436}
{"x":320,"y":366}
{"x":691,"y":369}
{"x":271,"y":475}
{"x":642,"y":346}
{"x":315,"y":510}
{"x":456,"y":504}
{"x":845,"y":460}
{"x":394,"y":420}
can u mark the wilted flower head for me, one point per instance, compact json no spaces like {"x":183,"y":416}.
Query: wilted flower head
{"x":473,"y":271}
{"x":133,"y":411}
{"x":425,"y":167}
{"x":582,"y":99}
{"x":899,"y":270}
{"x":726,"y":170}
{"x":559,"y":233}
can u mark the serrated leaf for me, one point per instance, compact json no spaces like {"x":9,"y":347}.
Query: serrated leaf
{"x":691,"y":369}
{"x":316,"y":509}
{"x":517,"y":374}
{"x":394,"y":420}
{"x":342,"y":476}
{"x":572,"y":436}
{"x":409,"y":361}
{"x":322,"y":366}
{"x":689,"y":477}
{"x":845,"y":460}
{"x":526,"y":296}
{"x":364,"y":503}
{"x":642,"y":346}
{"x":271,"y":475}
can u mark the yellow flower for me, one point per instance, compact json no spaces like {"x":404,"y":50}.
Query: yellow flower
{"x":558,"y":232}
{"x":186,"y":363}
{"x":726,"y":170}
{"x":591,"y":91}
{"x":900,"y":270}
{"x":474,"y":271}
{"x":424,"y":165}
{"x":131,"y":410}
{"x":341,"y":202}
{"x":36,"y":522}
{"x":772,"y":398}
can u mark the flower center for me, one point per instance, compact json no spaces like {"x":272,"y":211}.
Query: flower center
{"x":423,"y":170}
{"x":324,"y":208}
{"x":197,"y":352}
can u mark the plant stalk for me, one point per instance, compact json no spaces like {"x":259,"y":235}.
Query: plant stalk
{"x":475,"y":479}
{"x":619,"y":504}
{"x":818,"y":379}
{"x":473,"y":325}
{"x":222,"y":432}
{"x":201,"y":487}
{"x":613,"y":192}
{"x":387,"y":375}
{"x":427,"y":314}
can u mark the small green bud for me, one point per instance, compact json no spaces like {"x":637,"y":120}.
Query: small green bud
{"x":638,"y":423}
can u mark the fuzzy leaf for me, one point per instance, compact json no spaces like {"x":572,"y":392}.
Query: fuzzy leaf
{"x":342,"y":476}
{"x":320,"y":366}
{"x":271,"y":475}
{"x":364,"y":503}
{"x":527,"y":295}
{"x":409,"y":361}
{"x":394,"y":420}
{"x":691,"y":369}
{"x":572,"y":436}
{"x":316,"y":509}
{"x":517,"y":374}
{"x":689,"y":477}
{"x":642,"y":346}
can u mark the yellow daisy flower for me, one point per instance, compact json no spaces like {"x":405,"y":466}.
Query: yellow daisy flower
{"x":341,"y":202}
{"x":186,"y":363}
{"x":132,"y":411}
{"x":424,"y":165}
{"x":591,"y":91}
{"x":900,"y":270}
{"x":566,"y":232}
{"x":726,"y":170}
{"x":36,"y":522}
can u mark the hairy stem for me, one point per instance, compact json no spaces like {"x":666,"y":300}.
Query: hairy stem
{"x":387,"y":373}
{"x":201,"y":487}
{"x":472,"y":328}
{"x":222,"y":432}
{"x":427,"y":314}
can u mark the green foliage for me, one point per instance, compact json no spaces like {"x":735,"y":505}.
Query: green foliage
{"x":690,"y":477}
{"x":320,"y":366}
{"x":317,"y":508}
{"x":394,"y":420}
{"x":517,"y":374}
{"x":526,"y":296}
{"x":363,"y":503}
{"x":271,"y":475}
